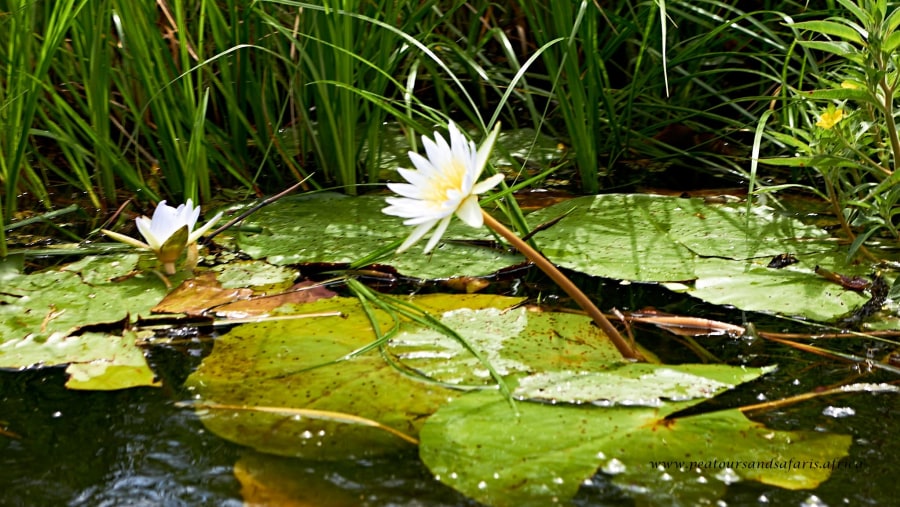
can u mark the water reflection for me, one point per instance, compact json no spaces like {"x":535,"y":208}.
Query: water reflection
{"x":129,"y":447}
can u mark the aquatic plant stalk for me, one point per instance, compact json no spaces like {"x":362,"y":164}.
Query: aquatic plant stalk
{"x":565,"y":284}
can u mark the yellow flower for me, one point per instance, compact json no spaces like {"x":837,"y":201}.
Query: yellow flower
{"x":830,"y":118}
{"x":444,"y":184}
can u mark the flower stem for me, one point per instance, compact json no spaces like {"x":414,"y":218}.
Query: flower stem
{"x":565,"y":284}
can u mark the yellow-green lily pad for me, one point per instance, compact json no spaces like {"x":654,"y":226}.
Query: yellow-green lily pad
{"x":539,"y":454}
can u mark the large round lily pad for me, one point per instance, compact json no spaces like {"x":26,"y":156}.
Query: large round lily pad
{"x":719,"y":252}
{"x":333,"y":228}
{"x":540,"y":454}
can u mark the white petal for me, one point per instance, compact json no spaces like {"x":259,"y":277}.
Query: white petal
{"x":470,"y":212}
{"x":483,"y":186}
{"x":145,"y":227}
{"x":402,"y":207}
{"x":406,"y":190}
{"x":166,"y":220}
{"x":416,"y":235}
{"x":436,"y":235}
{"x":454,"y":197}
{"x":189,"y":215}
{"x":461,"y":148}
{"x":438,"y":151}
{"x":425,"y":167}
{"x":163,"y":210}
{"x":405,"y":213}
{"x":207,"y":226}
{"x":415,"y":178}
{"x":426,"y":217}
{"x":485,"y":151}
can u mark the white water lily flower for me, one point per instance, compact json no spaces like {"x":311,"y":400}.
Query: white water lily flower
{"x":443,"y":184}
{"x":166,"y":223}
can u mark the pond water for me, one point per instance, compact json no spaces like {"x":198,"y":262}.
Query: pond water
{"x":140,"y":447}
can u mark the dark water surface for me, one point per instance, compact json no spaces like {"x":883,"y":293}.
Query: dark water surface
{"x":139,"y":447}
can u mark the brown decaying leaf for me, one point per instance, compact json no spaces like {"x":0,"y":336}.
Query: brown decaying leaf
{"x":303,"y":292}
{"x":204,"y":293}
{"x":197,"y":295}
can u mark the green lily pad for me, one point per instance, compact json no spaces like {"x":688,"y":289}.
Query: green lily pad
{"x":513,"y":341}
{"x":636,"y":384}
{"x":41,"y":316}
{"x":554,"y":357}
{"x":545,"y":452}
{"x":718,"y":251}
{"x":255,"y":275}
{"x":332,"y":228}
{"x":295,"y":364}
{"x":617,"y":236}
{"x":795,"y":290}
{"x":117,"y":364}
{"x":727,"y":231}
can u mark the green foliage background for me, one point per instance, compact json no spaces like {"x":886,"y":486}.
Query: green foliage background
{"x":177,"y":100}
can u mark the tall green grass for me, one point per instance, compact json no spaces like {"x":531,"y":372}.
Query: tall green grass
{"x":27,"y":71}
{"x":176,"y":100}
{"x":344,"y":59}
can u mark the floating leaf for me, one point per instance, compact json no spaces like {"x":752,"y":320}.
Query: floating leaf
{"x":513,"y":341}
{"x":119,"y":364}
{"x":294,"y":364}
{"x":793,"y":290}
{"x":616,"y":236}
{"x":545,"y":452}
{"x":649,"y":385}
{"x":556,"y":357}
{"x":720,"y":248}
{"x":42,"y":315}
{"x":336,"y":229}
{"x":255,"y":275}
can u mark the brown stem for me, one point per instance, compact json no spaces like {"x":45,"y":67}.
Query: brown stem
{"x":565,"y":284}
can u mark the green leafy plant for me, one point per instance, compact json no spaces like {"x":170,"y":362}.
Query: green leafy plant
{"x":846,"y":128}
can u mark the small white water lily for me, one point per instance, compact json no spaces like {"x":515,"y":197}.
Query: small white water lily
{"x":168,"y":233}
{"x":443,"y":184}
